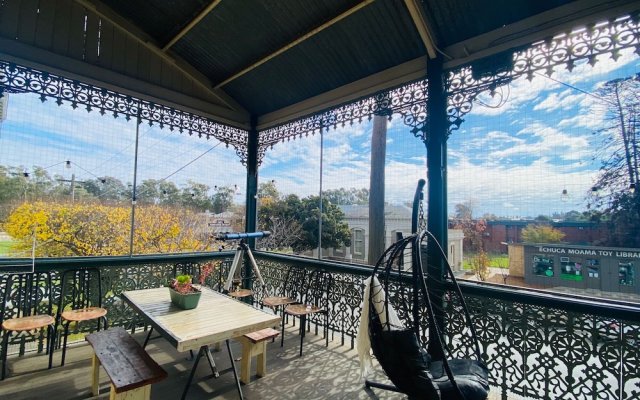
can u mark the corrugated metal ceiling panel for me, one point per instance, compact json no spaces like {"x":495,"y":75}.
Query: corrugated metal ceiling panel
{"x":458,"y":20}
{"x":161,"y":19}
{"x":365,"y":43}
{"x":230,"y":38}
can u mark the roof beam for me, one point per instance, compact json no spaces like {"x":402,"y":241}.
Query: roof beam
{"x":535,"y":28}
{"x":135,"y":33}
{"x":191,"y":24}
{"x":407,"y":72}
{"x":420,"y":21}
{"x":296,"y":42}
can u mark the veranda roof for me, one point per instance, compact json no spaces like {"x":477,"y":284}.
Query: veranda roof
{"x":277,"y":60}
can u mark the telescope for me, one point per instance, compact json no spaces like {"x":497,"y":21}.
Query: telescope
{"x":243,"y":235}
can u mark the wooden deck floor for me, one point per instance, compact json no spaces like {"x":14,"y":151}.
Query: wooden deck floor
{"x":320,"y":373}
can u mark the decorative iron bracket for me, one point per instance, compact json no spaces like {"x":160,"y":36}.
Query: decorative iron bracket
{"x":410,"y":101}
{"x":18,"y":79}
{"x":564,"y":49}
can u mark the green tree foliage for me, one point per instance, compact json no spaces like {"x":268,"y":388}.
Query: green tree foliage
{"x":348,"y":196}
{"x":107,"y":189}
{"x":541,"y":234}
{"x":268,"y":190}
{"x":195,"y":196}
{"x":223,"y":198}
{"x":294,"y":223}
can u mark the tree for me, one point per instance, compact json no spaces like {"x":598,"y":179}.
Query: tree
{"x":541,"y":234}
{"x":294,"y":223}
{"x":195,"y":196}
{"x":464,"y":210}
{"x":222,"y":200}
{"x":335,"y":232}
{"x":473,"y":229}
{"x":268,"y":189}
{"x":348,"y":196}
{"x":480,"y":265}
{"x":107,"y":189}
{"x":619,"y":153}
{"x":101,"y":230}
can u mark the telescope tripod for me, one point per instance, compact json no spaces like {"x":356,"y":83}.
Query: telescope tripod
{"x":241,"y":251}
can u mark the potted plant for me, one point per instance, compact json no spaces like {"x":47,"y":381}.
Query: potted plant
{"x":183,"y":293}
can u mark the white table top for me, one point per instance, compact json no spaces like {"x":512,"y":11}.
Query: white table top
{"x":216,"y":318}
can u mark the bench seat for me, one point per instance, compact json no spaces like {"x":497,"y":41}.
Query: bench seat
{"x":130,"y":369}
{"x":255,"y":344}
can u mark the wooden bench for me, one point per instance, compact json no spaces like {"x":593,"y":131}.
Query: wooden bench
{"x":255,"y":344}
{"x":130,"y":369}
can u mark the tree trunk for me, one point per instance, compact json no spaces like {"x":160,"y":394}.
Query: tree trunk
{"x":376,"y":188}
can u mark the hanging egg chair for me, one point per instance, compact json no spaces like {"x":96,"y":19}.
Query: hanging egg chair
{"x":407,"y":312}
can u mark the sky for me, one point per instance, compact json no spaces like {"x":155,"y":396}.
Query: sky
{"x":513,"y":161}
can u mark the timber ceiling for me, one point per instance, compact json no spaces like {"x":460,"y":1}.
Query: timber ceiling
{"x":274,"y":60}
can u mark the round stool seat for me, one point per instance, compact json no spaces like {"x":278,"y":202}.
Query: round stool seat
{"x":275,"y":301}
{"x":84,"y":314}
{"x":28,"y":323}
{"x":302,"y":309}
{"x":241,"y":293}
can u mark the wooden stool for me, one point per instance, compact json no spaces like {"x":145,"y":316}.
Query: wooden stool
{"x":130,"y":369}
{"x":255,"y":344}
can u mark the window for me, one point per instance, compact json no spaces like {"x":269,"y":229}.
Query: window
{"x":570,"y":269}
{"x":542,"y":266}
{"x":357,"y":242}
{"x":593,"y":268}
{"x":626,"y":273}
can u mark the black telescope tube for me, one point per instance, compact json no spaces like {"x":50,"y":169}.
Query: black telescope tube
{"x":243,"y":235}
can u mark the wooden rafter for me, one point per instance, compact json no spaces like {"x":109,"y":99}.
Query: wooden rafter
{"x":114,"y":19}
{"x":191,"y":24}
{"x":420,"y":21}
{"x":296,"y":42}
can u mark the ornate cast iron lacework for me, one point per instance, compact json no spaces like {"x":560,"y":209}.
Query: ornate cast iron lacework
{"x":565,"y":49}
{"x":538,"y":352}
{"x":410,"y":101}
{"x":533,"y":351}
{"x":19,"y":79}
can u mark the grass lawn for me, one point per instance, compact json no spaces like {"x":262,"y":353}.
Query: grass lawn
{"x":5,"y":247}
{"x":496,"y":260}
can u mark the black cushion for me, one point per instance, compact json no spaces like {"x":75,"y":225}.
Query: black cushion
{"x":404,"y":361}
{"x":471,"y":376}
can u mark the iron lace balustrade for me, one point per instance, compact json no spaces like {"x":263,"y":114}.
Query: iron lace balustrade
{"x":536,"y":344}
{"x":118,"y":274}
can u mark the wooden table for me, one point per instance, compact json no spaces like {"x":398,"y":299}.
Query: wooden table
{"x":217,"y":318}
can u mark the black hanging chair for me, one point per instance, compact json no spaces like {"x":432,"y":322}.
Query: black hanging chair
{"x":409,"y":311}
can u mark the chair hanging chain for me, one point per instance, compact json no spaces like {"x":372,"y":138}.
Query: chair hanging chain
{"x":422,"y":221}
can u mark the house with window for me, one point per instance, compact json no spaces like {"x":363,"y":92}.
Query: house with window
{"x":397,"y":225}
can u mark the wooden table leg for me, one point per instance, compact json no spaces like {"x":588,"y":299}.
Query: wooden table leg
{"x":245,"y":363}
{"x":261,"y":360}
{"x":141,"y":393}
{"x":95,"y":375}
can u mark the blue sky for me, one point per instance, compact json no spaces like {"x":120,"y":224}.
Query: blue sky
{"x":512,"y":161}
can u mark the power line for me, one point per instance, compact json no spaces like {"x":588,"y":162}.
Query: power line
{"x":189,"y":163}
{"x":576,"y":88}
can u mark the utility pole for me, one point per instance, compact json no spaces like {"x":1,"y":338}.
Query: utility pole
{"x":72,"y":188}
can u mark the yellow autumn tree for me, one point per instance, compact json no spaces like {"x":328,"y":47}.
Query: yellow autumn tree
{"x":542,"y":234}
{"x":100,"y":230}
